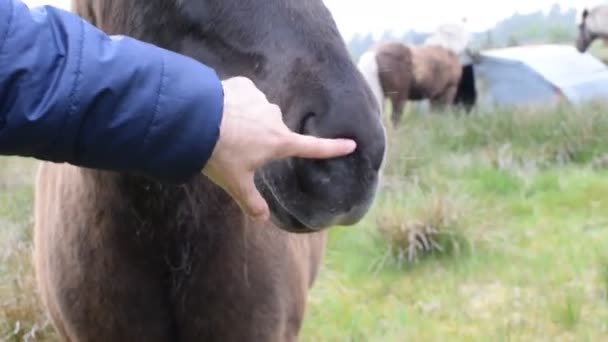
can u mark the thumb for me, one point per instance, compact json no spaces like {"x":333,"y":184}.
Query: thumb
{"x":251,"y":201}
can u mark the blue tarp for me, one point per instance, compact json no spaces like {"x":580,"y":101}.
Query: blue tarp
{"x":539,"y":74}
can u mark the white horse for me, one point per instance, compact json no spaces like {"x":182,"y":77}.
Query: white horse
{"x":454,"y":37}
{"x":368,"y":66}
{"x":592,"y":25}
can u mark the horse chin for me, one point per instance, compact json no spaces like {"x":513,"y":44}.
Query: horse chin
{"x":297,"y":218}
{"x":284,"y":219}
{"x":584,"y":41}
{"x":580,"y":47}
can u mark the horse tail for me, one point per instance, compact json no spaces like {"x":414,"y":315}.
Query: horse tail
{"x":368,"y":66}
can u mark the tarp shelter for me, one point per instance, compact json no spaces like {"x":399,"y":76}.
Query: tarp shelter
{"x":539,"y":74}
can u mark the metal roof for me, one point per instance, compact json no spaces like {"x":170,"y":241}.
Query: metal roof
{"x":579,"y":76}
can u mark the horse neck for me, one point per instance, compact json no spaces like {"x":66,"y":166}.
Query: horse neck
{"x":133,"y":18}
{"x":164,"y":209}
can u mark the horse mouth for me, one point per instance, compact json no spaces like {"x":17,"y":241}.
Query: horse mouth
{"x":579,"y":47}
{"x":288,"y":222}
{"x":285,"y":220}
{"x":288,"y":218}
{"x":281,"y":216}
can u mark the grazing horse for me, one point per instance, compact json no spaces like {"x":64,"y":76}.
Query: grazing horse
{"x":404,"y":72}
{"x":456,"y":38}
{"x":593,"y":25}
{"x":120,"y":257}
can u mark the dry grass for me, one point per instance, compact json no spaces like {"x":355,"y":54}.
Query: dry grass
{"x":600,"y":162}
{"x":21,"y":315}
{"x":430,"y":228}
{"x":527,"y":189}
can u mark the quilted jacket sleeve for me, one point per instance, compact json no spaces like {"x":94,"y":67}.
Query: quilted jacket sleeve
{"x":70,"y":93}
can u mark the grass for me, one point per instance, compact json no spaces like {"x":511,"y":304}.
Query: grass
{"x":516,"y":204}
{"x":528,"y":199}
{"x":21,"y":316}
{"x":420,"y":226}
{"x":599,"y":50}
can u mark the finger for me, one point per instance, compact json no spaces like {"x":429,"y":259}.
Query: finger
{"x":306,"y":146}
{"x":244,"y":85}
{"x":251,"y":201}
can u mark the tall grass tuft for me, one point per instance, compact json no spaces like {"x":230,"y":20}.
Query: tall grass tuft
{"x":413,"y":231}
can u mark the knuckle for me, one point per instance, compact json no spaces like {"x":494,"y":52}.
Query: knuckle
{"x":246,"y":81}
{"x":275,"y":110}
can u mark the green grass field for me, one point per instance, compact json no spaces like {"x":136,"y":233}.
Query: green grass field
{"x":526,"y":196}
{"x":515,"y":205}
{"x":599,"y":50}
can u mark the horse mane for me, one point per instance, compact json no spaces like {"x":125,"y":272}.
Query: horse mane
{"x":597,"y":20}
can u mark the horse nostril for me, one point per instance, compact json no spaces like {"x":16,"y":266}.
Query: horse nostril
{"x":314,"y":174}
{"x":318,"y":177}
{"x":306,"y":125}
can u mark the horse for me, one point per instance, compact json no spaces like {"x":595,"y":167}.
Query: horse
{"x":456,"y":38}
{"x":404,"y":72}
{"x":593,"y":24}
{"x":122,"y":257}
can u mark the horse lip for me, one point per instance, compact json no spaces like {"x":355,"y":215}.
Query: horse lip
{"x":302,"y":227}
{"x":287,"y":221}
{"x":349,"y":218}
{"x":280,"y":206}
{"x":354,"y":215}
{"x":284,"y":218}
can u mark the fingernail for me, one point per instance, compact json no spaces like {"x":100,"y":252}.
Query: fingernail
{"x":350,"y":145}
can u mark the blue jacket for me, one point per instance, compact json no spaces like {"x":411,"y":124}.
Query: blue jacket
{"x":70,"y":93}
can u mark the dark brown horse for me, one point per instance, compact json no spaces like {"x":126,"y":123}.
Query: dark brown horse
{"x":404,"y":72}
{"x":123,"y":258}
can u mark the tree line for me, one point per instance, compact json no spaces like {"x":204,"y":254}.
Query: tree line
{"x":556,"y":26}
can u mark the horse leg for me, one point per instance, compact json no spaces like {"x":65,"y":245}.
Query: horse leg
{"x":444,"y":99}
{"x":395,"y":115}
{"x":398,"y":103}
{"x":398,"y":112}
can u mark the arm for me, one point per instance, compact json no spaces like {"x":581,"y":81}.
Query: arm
{"x":70,"y":93}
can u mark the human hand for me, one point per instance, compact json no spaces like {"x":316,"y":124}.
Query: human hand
{"x":253,"y":133}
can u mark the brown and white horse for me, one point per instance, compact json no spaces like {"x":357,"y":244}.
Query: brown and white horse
{"x":123,"y":258}
{"x":404,"y":72}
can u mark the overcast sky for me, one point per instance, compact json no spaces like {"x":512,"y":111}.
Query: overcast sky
{"x":400,"y":15}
